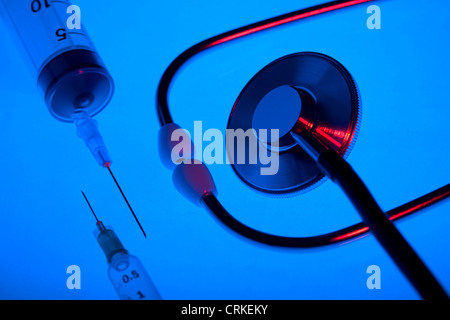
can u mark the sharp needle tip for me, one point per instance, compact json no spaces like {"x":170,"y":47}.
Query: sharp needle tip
{"x":89,"y":205}
{"x":126,"y":200}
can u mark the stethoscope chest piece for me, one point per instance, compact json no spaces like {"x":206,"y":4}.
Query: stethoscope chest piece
{"x":303,"y":90}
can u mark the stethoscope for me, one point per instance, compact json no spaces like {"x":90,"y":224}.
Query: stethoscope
{"x":323,"y":108}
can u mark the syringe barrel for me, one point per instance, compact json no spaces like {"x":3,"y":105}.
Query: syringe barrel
{"x":130,"y":279}
{"x":67,"y":67}
{"x":126,"y":272}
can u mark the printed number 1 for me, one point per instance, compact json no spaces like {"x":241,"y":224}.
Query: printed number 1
{"x":36,"y":5}
{"x":141,"y":295}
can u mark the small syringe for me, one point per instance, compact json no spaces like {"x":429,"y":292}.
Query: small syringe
{"x":126,"y":272}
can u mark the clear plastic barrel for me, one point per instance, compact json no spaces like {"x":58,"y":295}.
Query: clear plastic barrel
{"x":130,"y":279}
{"x":126,"y":272}
{"x":67,"y":66}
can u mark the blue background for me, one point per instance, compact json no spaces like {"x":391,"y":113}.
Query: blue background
{"x":402,"y":152}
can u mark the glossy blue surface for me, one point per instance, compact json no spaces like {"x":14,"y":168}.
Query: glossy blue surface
{"x":402,"y":152}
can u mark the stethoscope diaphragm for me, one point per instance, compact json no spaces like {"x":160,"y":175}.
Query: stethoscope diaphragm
{"x":302,"y":89}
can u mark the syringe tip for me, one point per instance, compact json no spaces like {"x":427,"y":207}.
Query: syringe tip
{"x":102,"y":156}
{"x":87,"y":130}
{"x":100,"y":226}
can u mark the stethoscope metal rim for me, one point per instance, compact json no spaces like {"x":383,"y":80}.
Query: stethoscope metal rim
{"x":337,"y":114}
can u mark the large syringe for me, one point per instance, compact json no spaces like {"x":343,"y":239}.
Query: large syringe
{"x":73,"y":79}
{"x":67,"y":67}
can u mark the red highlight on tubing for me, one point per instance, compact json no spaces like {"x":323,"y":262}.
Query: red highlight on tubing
{"x":402,"y":211}
{"x":284,"y":21}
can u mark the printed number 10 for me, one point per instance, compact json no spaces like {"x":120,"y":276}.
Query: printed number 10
{"x":36,"y":5}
